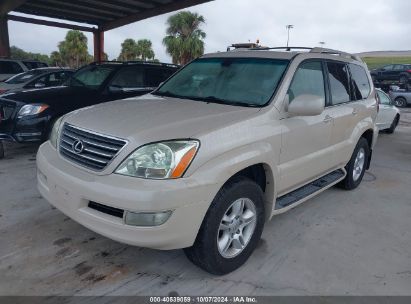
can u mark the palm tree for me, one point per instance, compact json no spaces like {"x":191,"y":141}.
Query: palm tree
{"x":73,"y":49}
{"x":145,"y":49}
{"x":184,"y":40}
{"x":128,"y":50}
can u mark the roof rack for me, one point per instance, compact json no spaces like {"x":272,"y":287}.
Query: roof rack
{"x":318,"y":50}
{"x":335,"y":52}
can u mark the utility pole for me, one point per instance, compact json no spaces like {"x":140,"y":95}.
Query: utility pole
{"x":288,"y":27}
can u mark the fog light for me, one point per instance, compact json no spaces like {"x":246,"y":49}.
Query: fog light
{"x":146,"y":219}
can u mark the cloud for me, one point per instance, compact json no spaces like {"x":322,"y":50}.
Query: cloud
{"x":349,"y":25}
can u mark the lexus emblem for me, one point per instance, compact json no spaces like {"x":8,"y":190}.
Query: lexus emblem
{"x":77,"y":146}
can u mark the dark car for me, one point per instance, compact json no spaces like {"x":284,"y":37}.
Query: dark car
{"x":392,"y":73}
{"x":36,"y":78}
{"x":28,"y":115}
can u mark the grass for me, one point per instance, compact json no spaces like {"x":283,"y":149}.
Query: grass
{"x":375,"y":62}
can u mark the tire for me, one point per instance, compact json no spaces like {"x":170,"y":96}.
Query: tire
{"x":400,"y":102}
{"x":354,"y":176}
{"x":1,"y":149}
{"x":394,"y":125}
{"x":207,"y":251}
{"x":403,"y":79}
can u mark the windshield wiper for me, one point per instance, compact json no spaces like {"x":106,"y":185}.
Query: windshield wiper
{"x":213,"y":99}
{"x":167,"y":94}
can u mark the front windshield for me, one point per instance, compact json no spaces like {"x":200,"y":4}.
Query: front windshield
{"x":235,"y":81}
{"x":91,"y":77}
{"x":24,"y":77}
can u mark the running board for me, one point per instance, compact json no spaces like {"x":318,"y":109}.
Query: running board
{"x":300,"y":195}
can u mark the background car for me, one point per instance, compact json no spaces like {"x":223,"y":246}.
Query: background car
{"x":401,"y":98}
{"x":388,"y":116}
{"x":392,"y":73}
{"x":11,"y":67}
{"x":36,"y":78}
{"x":28,"y":115}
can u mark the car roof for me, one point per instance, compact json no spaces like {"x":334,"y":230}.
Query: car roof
{"x":287,"y":53}
{"x":128,"y":63}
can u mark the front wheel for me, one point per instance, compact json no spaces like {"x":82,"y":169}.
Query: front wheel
{"x":357,"y":165}
{"x":400,"y":102}
{"x":231,"y":228}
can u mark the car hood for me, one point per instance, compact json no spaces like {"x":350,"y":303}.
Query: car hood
{"x":151,"y":118}
{"x":51,"y":95}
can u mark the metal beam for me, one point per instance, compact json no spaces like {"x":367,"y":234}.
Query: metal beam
{"x":7,"y":6}
{"x":4,"y":38}
{"x":144,"y":14}
{"x":51,"y":23}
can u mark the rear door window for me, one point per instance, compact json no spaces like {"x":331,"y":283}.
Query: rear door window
{"x":155,"y":76}
{"x":10,"y":67}
{"x":308,"y":80}
{"x":339,"y":82}
{"x":360,"y":84}
{"x":129,"y":78}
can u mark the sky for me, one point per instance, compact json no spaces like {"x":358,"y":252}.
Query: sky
{"x":348,"y":25}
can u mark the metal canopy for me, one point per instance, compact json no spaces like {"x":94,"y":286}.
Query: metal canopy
{"x":105,"y":14}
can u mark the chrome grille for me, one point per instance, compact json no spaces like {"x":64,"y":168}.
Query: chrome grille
{"x":91,"y":150}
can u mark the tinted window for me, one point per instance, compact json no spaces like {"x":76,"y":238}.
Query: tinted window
{"x":388,"y":67}
{"x":384,"y":99}
{"x":129,"y":77}
{"x":34,"y":64}
{"x":239,"y":81}
{"x":10,"y":67}
{"x":360,"y":84}
{"x":308,"y":79}
{"x":398,"y":67}
{"x":24,"y":77}
{"x":91,"y":76}
{"x":339,"y":83}
{"x":155,"y":76}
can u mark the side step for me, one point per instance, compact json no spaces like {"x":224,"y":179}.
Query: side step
{"x":308,"y":190}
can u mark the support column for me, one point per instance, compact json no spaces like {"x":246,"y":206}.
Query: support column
{"x":98,"y":45}
{"x":4,"y":37}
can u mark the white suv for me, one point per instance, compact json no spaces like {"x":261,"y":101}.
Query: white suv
{"x":221,"y":147}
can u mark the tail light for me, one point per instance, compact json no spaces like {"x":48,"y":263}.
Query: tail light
{"x":409,"y":71}
{"x":3,"y":91}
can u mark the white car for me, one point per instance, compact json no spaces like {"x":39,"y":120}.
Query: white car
{"x":389,"y":115}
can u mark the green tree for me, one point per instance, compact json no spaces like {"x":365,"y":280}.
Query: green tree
{"x":145,"y":49}
{"x":18,"y":53}
{"x":73,"y":49}
{"x":55,"y":59}
{"x":128,"y":50}
{"x":185,"y":39}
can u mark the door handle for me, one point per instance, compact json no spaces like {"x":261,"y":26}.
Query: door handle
{"x":327,"y":119}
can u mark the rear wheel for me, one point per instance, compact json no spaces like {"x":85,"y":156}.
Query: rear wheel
{"x":393,"y":125}
{"x":400,"y":102}
{"x":231,"y":228}
{"x":403,"y":79}
{"x":357,"y":165}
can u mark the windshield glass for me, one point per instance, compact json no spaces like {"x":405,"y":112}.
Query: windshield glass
{"x":91,"y":77}
{"x":25,"y":77}
{"x":235,"y":81}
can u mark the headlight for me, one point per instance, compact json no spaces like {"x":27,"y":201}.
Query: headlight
{"x":32,"y":109}
{"x":54,"y":135}
{"x":164,"y":160}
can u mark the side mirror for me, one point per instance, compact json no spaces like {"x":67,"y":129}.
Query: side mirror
{"x":306,"y":105}
{"x":39,"y":85}
{"x":115,"y":89}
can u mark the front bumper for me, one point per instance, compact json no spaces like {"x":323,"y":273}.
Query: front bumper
{"x":70,"y":189}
